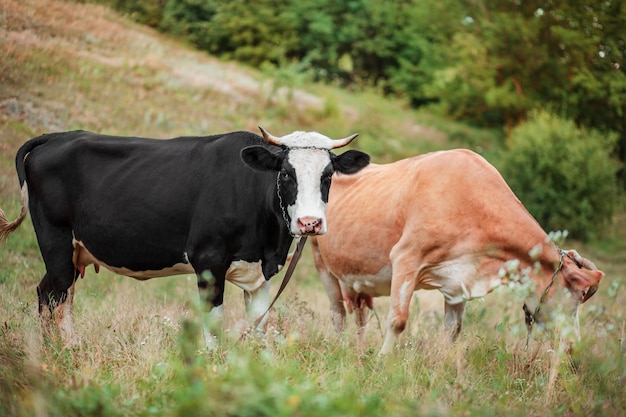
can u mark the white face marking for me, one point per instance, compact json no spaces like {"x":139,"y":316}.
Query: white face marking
{"x":309,"y":165}
{"x":307,"y":139}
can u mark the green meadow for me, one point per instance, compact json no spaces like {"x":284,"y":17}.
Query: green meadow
{"x":67,"y":66}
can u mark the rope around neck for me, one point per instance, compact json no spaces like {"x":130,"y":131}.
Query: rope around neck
{"x":283,"y":209}
{"x":531,"y":318}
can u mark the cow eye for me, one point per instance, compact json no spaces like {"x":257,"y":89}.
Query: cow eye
{"x":285,"y":176}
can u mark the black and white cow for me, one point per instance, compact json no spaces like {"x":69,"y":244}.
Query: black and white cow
{"x":224,"y":207}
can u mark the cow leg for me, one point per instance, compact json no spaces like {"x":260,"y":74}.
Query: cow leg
{"x":257,"y":303}
{"x":335,"y":296}
{"x":60,"y":313}
{"x":333,"y":290}
{"x":454,"y":319}
{"x":362,"y":308}
{"x":56,"y":289}
{"x":402,"y":287}
{"x":211,"y":290}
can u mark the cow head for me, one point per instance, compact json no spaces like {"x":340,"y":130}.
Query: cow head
{"x":304,"y":165}
{"x":580,"y":282}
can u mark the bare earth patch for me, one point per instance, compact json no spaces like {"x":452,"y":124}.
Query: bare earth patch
{"x":59,"y":38}
{"x":90,"y":32}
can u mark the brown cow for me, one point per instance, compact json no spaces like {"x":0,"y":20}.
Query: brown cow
{"x":445,"y":220}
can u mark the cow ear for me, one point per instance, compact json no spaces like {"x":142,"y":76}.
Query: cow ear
{"x":585,"y":280}
{"x":582,"y":274}
{"x":261,"y":159}
{"x":351,"y":162}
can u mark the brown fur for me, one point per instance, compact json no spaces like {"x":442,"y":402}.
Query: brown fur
{"x":447,"y":212}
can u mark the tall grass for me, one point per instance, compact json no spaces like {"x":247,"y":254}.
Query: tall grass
{"x":67,"y":66}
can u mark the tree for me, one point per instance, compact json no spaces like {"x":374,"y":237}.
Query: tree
{"x":487,"y":62}
{"x":507,"y":58}
{"x":564,"y":175}
{"x":250,"y":32}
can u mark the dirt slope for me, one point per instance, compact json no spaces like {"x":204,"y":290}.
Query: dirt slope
{"x":54,"y":52}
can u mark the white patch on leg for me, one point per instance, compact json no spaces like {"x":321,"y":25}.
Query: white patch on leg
{"x":389,"y":343}
{"x":404,"y":297}
{"x":257,"y":303}
{"x":390,"y":336}
{"x":63,"y":318}
{"x":249,"y":277}
{"x":214,"y":319}
{"x":246,"y":275}
{"x":577,"y":324}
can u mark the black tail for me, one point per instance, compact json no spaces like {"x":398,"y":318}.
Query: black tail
{"x":7,"y":227}
{"x":24,"y":151}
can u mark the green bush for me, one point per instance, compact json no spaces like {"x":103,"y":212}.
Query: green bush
{"x":147,"y":12}
{"x":188,"y":18}
{"x":250,"y":32}
{"x":563,"y":174}
{"x":478,"y":65}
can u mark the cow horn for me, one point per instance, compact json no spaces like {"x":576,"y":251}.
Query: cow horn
{"x":583,"y":261}
{"x":338,"y":143}
{"x":590,"y":291}
{"x":269,"y":138}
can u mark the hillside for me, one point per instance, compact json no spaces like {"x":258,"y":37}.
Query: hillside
{"x":68,"y":66}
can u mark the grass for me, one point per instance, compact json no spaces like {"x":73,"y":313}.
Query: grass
{"x":66,"y":66}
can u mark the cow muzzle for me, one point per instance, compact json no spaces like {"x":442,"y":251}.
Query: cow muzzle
{"x":310,"y":226}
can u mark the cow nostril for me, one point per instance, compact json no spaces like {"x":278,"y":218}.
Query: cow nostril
{"x":309,"y":224}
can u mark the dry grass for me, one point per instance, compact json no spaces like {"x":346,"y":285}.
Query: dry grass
{"x":67,"y":65}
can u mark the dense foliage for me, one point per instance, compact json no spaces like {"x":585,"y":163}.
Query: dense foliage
{"x":563,"y":174}
{"x":488,"y":62}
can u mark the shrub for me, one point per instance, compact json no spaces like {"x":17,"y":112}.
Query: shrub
{"x":147,"y":12}
{"x":563,"y":174}
{"x":250,"y":32}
